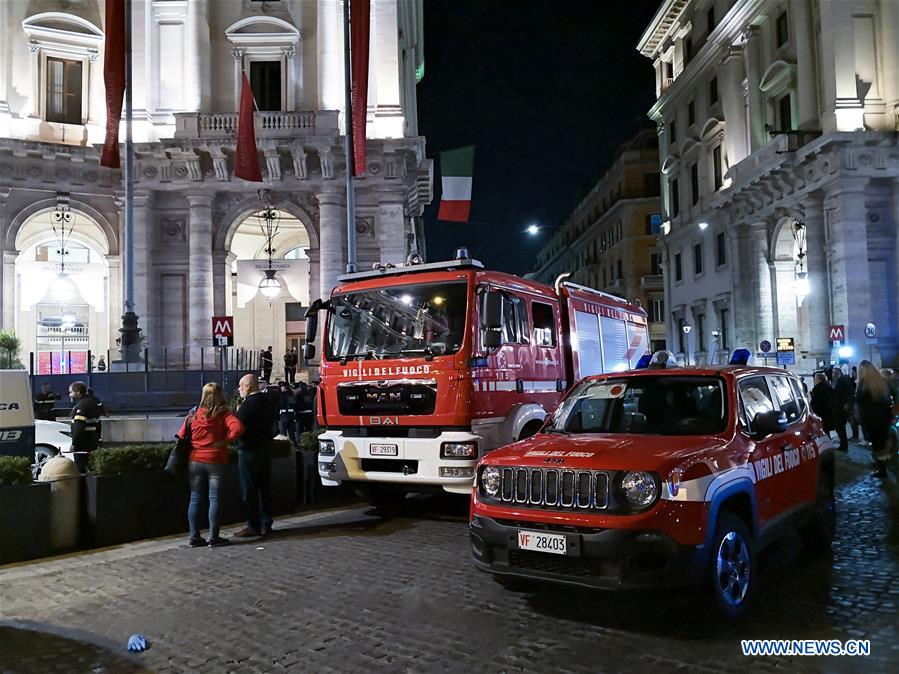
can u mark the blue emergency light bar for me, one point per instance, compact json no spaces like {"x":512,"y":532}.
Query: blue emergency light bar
{"x":740,"y":357}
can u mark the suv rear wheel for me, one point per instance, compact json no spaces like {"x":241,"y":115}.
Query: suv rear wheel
{"x":820,"y":530}
{"x":732,"y":566}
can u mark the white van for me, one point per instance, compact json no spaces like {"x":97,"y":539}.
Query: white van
{"x":20,"y":433}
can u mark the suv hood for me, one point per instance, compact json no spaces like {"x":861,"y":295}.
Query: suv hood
{"x":609,"y":452}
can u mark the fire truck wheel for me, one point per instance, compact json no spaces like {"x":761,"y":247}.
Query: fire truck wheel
{"x":819,"y":532}
{"x":382,"y":497}
{"x":732,"y":566}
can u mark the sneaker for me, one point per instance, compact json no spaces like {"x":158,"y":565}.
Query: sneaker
{"x":197,"y":542}
{"x":246,"y":532}
{"x":218,"y":541}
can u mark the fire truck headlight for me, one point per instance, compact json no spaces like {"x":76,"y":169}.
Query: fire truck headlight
{"x":326,"y":447}
{"x":639,"y":488}
{"x":459,"y":450}
{"x":490,"y":480}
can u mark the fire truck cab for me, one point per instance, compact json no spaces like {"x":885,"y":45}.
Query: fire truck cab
{"x":425,"y":368}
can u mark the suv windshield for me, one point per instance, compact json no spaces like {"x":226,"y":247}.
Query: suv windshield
{"x":402,"y":321}
{"x":664,"y":405}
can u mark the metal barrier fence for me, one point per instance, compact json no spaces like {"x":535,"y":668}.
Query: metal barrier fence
{"x":145,"y":386}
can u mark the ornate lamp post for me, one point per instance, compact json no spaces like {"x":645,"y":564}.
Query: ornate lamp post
{"x":269,"y":220}
{"x":800,"y":250}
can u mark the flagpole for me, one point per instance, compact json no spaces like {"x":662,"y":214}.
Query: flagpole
{"x":130,"y":331}
{"x":348,"y":145}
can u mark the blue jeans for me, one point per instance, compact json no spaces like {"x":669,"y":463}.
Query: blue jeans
{"x":205,"y":478}
{"x":255,"y":469}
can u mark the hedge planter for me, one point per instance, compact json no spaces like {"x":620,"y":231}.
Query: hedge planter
{"x":283,"y":486}
{"x":24,"y":522}
{"x":133,"y":506}
{"x":309,"y":483}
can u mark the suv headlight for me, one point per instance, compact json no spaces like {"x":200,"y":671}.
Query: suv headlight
{"x":326,"y":447}
{"x":459,"y":450}
{"x":490,"y":480}
{"x":639,"y":488}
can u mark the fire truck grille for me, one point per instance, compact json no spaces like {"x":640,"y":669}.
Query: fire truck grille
{"x":403,"y":397}
{"x":555,"y":489}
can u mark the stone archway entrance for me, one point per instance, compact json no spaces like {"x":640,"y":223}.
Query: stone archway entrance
{"x":791,"y":285}
{"x":62,"y":292}
{"x":261,"y":321}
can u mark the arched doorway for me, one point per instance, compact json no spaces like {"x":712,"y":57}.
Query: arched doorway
{"x":791,"y":283}
{"x":62,"y":296}
{"x":261,"y":321}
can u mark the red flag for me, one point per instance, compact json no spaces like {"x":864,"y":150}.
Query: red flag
{"x":114,"y":78}
{"x":246,"y":159}
{"x":360,"y":20}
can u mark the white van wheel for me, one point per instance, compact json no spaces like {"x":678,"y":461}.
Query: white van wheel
{"x":44,"y":452}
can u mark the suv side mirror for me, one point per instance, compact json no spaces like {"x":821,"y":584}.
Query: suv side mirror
{"x":769,"y":423}
{"x":492,"y":320}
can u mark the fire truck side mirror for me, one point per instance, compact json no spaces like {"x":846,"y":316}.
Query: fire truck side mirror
{"x":308,"y":351}
{"x":492,"y":320}
{"x":311,"y":330}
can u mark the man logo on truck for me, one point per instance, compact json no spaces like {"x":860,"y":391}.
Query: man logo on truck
{"x":9,"y":406}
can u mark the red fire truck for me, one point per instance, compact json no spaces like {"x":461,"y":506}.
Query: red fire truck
{"x":426,"y":367}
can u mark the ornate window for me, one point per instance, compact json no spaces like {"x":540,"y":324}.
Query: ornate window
{"x":265,"y":48}
{"x":63,"y":47}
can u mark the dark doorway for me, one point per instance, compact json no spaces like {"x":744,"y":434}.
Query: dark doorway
{"x":265,"y":78}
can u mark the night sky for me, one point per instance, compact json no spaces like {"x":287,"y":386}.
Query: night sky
{"x":546,"y":91}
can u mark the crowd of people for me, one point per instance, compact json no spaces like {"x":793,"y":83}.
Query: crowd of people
{"x":865,"y":399}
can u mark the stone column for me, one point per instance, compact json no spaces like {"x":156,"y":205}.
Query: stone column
{"x":733,"y":106}
{"x":806,"y":75}
{"x":144,"y":279}
{"x":114,"y":305}
{"x":9,"y":289}
{"x":850,"y":292}
{"x":200,"y":294}
{"x":752,"y":306}
{"x":817,"y":304}
{"x":838,"y":52}
{"x":752,"y":52}
{"x":889,"y":26}
{"x":222,"y":287}
{"x":331,"y":226}
{"x":198,"y":94}
{"x":329,"y":39}
{"x":31,"y":106}
{"x":391,"y":228}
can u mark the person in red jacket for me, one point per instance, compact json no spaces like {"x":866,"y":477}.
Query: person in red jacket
{"x":212,"y":428}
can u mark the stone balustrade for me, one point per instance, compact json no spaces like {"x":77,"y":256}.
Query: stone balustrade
{"x":274,"y":124}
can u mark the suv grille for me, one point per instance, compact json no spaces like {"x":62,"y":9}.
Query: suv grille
{"x":555,"y":489}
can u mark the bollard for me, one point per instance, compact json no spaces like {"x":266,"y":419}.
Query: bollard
{"x":65,"y":501}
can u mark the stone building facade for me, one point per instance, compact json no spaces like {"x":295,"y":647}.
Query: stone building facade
{"x":780,"y":173}
{"x":197,"y":231}
{"x":608,"y":241}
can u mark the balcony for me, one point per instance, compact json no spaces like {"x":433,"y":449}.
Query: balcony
{"x":651,"y":282}
{"x":277,"y":124}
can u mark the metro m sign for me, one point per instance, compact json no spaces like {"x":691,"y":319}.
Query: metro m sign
{"x":837,"y":333}
{"x":223,"y":330}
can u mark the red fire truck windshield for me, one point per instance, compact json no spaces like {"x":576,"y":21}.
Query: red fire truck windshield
{"x":402,"y":321}
{"x":646,"y":405}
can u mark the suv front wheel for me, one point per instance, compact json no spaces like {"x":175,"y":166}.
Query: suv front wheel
{"x":732,"y":566}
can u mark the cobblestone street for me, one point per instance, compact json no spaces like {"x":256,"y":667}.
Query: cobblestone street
{"x":348,"y":590}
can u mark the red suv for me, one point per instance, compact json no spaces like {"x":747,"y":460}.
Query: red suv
{"x":658,"y":476}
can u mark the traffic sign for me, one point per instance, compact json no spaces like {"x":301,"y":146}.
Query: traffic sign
{"x":871,"y":340}
{"x":223,"y":330}
{"x":786,"y":351}
{"x":837,"y":333}
{"x":870,"y":331}
{"x":765,"y":346}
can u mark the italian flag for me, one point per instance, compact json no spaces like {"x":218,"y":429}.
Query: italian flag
{"x":456,"y":170}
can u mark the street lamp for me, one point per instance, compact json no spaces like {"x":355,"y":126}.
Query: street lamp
{"x":687,"y":328}
{"x":801,"y":286}
{"x":269,"y":218}
{"x":533,"y":230}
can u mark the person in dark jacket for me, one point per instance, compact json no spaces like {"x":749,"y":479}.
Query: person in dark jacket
{"x":286,"y":413}
{"x":44,"y":402}
{"x":822,"y":402}
{"x":266,"y":360}
{"x":875,"y":406}
{"x":258,"y":412}
{"x":843,"y":398}
{"x":85,"y":417}
{"x":290,"y":366}
{"x":304,"y":408}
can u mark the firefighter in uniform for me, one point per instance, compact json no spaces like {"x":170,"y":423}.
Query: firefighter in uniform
{"x":290,"y":366}
{"x":85,"y":424}
{"x":43,"y":403}
{"x":286,"y":420}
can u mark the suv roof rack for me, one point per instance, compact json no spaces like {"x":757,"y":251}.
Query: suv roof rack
{"x":390,"y":270}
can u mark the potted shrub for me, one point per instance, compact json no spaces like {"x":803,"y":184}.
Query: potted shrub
{"x":283,"y":485}
{"x":129,"y":497}
{"x":25,"y":508}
